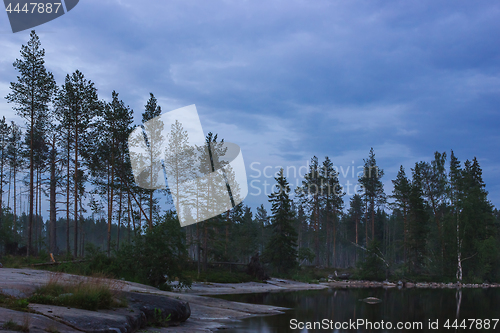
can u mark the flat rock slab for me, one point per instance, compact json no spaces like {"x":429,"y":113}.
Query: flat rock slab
{"x":121,"y":320}
{"x":206,"y":314}
{"x":272,"y":285}
{"x":36,"y":322}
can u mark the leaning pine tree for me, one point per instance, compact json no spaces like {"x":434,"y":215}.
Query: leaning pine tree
{"x":281,"y":251}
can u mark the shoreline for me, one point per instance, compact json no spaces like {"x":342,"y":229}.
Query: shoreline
{"x":208,"y":314}
{"x":408,"y":285}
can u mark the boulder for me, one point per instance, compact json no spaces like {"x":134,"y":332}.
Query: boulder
{"x":256,"y":269}
{"x":159,"y":310}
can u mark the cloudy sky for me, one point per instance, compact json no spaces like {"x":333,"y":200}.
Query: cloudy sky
{"x":287,"y":80}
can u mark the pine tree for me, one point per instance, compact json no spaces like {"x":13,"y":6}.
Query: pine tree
{"x":55,"y":177}
{"x":77,"y":106}
{"x":4,"y":138}
{"x":179,"y":159}
{"x":373,"y":189}
{"x":477,"y":221}
{"x":455,"y":192}
{"x":417,"y":226}
{"x":262,"y":220}
{"x":207,"y":195}
{"x":331,"y":197}
{"x":355,"y":213}
{"x":281,"y":251}
{"x":109,"y":160}
{"x":401,"y":196}
{"x":310,"y":195}
{"x":32,"y":94}
{"x":154,"y":130}
{"x":16,"y":163}
{"x":434,"y":181}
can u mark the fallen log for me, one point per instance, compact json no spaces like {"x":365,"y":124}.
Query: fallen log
{"x":59,"y":262}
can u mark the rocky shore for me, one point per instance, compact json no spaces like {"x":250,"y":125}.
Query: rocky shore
{"x":400,"y":284}
{"x":190,"y":312}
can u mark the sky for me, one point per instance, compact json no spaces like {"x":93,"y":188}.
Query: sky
{"x":289,"y":80}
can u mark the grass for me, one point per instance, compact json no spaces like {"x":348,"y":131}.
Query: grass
{"x":51,"y":329}
{"x":88,"y":293}
{"x":159,"y":320}
{"x":9,"y":261}
{"x":14,"y":303}
{"x":13,"y":326}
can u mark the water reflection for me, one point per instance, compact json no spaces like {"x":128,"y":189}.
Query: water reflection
{"x":344,"y":305}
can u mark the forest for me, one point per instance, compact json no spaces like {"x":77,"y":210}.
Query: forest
{"x":71,"y":151}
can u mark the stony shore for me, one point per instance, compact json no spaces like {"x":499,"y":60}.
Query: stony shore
{"x":431,"y":285}
{"x":206,"y":314}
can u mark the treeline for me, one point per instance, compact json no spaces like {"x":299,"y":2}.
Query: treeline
{"x":441,"y":225}
{"x":72,"y":151}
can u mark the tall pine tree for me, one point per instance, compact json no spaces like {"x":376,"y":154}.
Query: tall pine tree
{"x":32,"y":94}
{"x":281,"y":251}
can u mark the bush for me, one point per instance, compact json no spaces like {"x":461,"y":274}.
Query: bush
{"x":373,"y":267}
{"x":156,"y":257}
{"x":306,"y":253}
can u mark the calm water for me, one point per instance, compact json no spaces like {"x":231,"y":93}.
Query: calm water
{"x":406,"y":306}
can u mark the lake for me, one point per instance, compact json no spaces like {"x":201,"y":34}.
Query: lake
{"x":340,"y":310}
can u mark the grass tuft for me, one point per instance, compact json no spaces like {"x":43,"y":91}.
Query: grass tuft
{"x":13,"y":326}
{"x":17,"y":304}
{"x":83,"y":293}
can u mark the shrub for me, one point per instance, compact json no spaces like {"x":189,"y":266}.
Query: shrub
{"x":373,"y":267}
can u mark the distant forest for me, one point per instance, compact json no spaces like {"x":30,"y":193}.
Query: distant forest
{"x":72,"y":152}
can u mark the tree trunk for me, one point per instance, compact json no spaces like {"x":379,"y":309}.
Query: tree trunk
{"x":316,"y":233}
{"x":227,"y":233}
{"x":2,"y":162}
{"x":52,"y":200}
{"x":75,"y":240}
{"x":373,"y":220}
{"x":119,"y":218}
{"x":459,"y":254}
{"x":405,"y":232}
{"x":15,"y":195}
{"x":35,"y":219}
{"x":334,"y":237}
{"x":205,"y":246}
{"x":30,"y":219}
{"x":366,"y":224}
{"x":68,"y":250}
{"x":110,"y":201}
{"x":129,"y":210}
{"x":198,"y":247}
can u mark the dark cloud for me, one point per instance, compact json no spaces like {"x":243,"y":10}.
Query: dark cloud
{"x":291,"y":79}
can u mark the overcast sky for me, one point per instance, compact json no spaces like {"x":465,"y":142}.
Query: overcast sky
{"x":287,"y":80}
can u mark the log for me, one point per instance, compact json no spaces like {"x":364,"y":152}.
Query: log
{"x":59,"y":262}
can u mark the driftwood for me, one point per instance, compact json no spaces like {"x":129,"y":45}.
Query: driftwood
{"x":227,"y":263}
{"x":58,"y":262}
